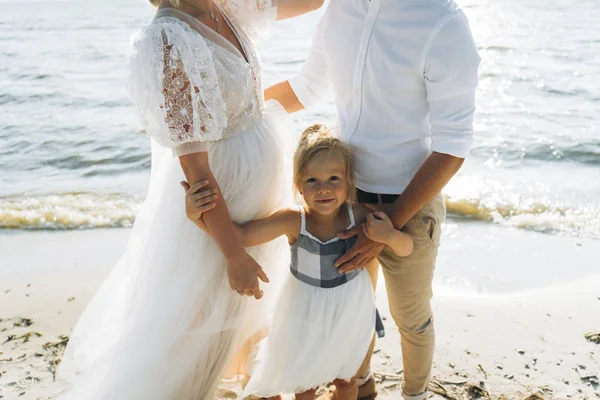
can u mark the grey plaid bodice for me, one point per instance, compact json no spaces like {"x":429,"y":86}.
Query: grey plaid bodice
{"x":313,"y":260}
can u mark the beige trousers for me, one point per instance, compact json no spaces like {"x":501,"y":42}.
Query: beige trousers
{"x":408,"y":282}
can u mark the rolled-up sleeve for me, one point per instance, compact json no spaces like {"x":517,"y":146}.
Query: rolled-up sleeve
{"x":450,"y":66}
{"x":313,"y":81}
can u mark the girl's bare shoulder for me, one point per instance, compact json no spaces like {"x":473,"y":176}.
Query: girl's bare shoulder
{"x":291,"y":217}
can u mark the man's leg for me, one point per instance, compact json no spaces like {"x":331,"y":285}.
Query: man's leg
{"x":408,"y":283}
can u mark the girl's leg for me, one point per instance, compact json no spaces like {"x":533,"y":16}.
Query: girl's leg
{"x":367,"y":388}
{"x":365,"y":369}
{"x":346,"y":390}
{"x":308,"y":395}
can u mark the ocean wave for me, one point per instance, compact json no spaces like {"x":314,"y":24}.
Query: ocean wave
{"x":90,"y":211}
{"x":68,"y":211}
{"x":531,"y":215}
{"x":473,"y":198}
{"x":511,"y":151}
{"x":7,"y":98}
{"x":497,"y":48}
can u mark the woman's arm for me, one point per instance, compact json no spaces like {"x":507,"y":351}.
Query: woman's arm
{"x":195,"y":167}
{"x":243,"y":271}
{"x":168,"y":84}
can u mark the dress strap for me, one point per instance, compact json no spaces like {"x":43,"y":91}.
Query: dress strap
{"x":351,"y":215}
{"x":303,"y":221}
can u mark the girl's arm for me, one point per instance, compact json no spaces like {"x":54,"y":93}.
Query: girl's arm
{"x":379,"y":228}
{"x":283,"y":222}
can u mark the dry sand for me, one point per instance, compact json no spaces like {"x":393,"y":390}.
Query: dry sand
{"x":517,"y":345}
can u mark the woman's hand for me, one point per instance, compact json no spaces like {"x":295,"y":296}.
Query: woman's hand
{"x":379,"y":227}
{"x":243,"y":273}
{"x":198,"y":201}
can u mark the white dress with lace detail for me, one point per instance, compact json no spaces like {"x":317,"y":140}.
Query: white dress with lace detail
{"x":189,"y":84}
{"x":165,"y":325}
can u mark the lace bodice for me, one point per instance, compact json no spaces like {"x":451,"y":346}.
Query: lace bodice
{"x":191,"y":85}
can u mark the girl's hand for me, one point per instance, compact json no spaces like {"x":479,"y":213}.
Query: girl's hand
{"x":198,"y":201}
{"x":379,"y":227}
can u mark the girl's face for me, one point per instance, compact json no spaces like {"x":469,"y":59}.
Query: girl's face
{"x":324,"y":185}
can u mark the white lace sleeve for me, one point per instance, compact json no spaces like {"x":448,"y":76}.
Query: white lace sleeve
{"x":174,"y":86}
{"x":255,"y":17}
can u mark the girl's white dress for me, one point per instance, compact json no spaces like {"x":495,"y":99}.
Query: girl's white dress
{"x":323,"y":321}
{"x":165,"y":324}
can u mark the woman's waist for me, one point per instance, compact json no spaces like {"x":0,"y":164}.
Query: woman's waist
{"x":268,"y":118}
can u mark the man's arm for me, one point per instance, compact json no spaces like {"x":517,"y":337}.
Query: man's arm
{"x":292,"y":8}
{"x":309,"y":86}
{"x":450,"y":65}
{"x":451,"y":76}
{"x":430,"y":179}
{"x":283,"y":93}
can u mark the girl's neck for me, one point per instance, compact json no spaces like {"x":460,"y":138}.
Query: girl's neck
{"x":327,"y":226}
{"x":326,"y":218}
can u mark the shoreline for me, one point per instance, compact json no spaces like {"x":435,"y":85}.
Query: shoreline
{"x":516,"y":342}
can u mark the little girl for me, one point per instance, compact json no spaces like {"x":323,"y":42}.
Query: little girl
{"x":323,"y":322}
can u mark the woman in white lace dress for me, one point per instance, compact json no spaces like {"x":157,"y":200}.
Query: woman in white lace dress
{"x":166,"y":323}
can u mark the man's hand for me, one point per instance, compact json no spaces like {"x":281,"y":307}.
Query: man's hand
{"x":363,"y":251}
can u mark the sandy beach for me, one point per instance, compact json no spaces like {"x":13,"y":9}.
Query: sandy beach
{"x":524,"y":344}
{"x":512,"y":305}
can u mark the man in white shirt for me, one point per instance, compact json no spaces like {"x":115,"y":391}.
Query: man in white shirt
{"x":404,"y":75}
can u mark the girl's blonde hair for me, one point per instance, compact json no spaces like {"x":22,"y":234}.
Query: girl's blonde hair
{"x":315,"y":140}
{"x":156,"y":3}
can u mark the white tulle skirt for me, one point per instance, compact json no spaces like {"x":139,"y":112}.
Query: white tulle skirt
{"x":317,"y":335}
{"x":165,"y":324}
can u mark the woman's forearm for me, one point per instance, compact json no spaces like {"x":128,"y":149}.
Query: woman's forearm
{"x":196,"y":168}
